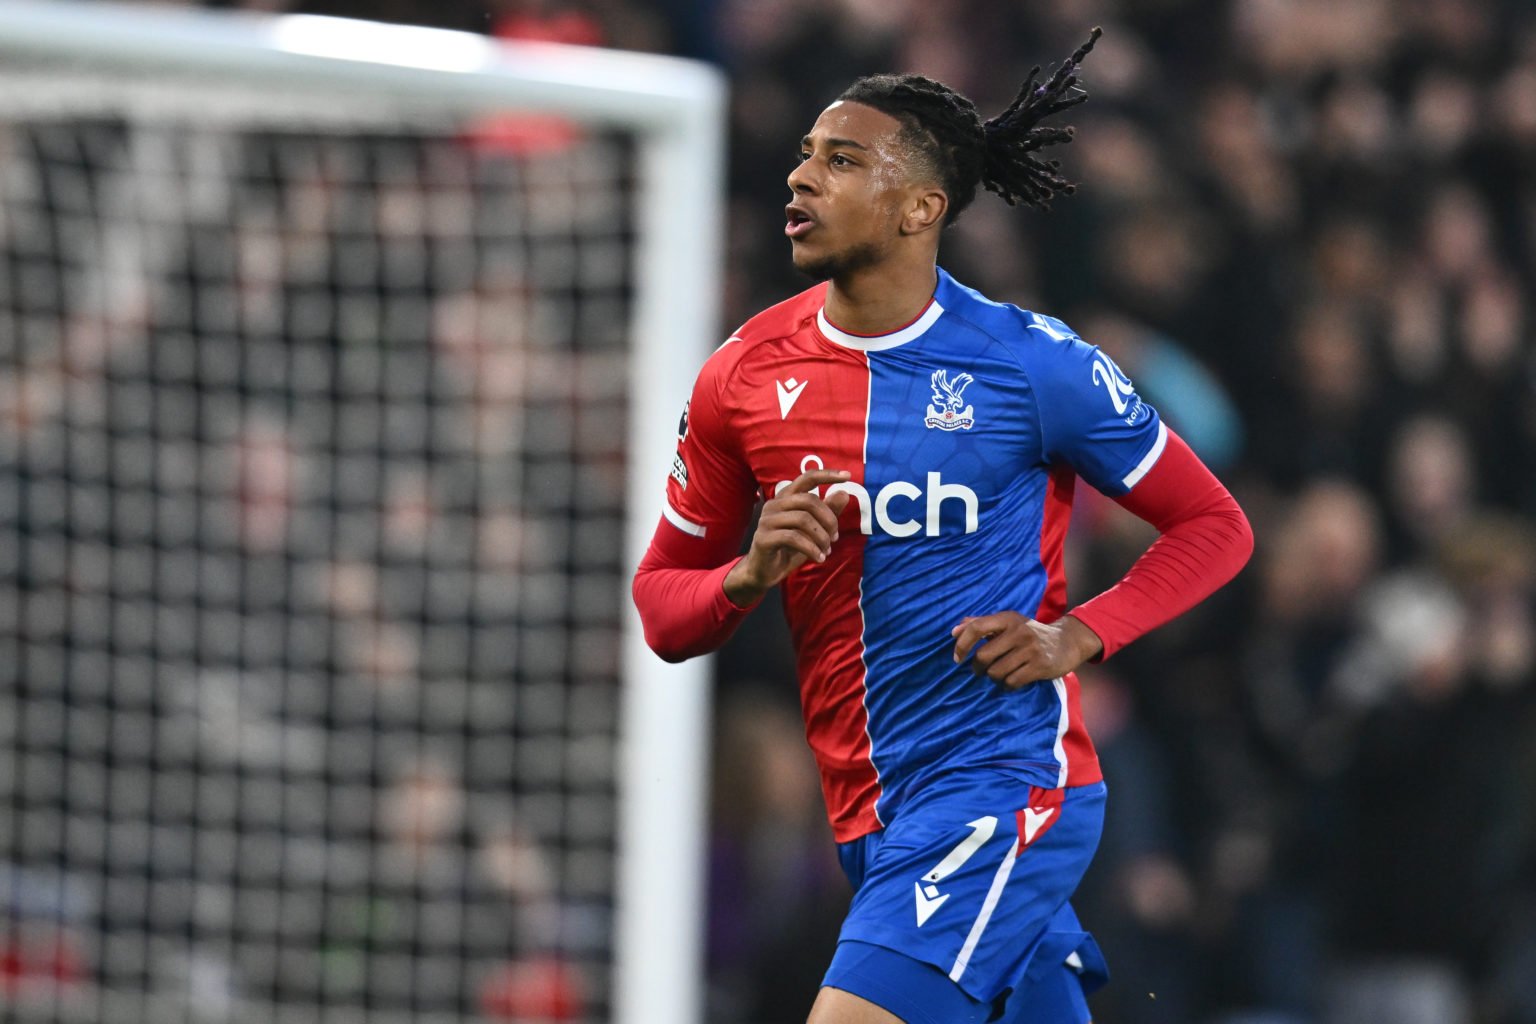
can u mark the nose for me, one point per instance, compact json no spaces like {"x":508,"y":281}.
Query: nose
{"x":801,"y":181}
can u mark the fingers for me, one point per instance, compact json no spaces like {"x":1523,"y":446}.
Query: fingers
{"x":1004,"y":653}
{"x":1005,"y":647}
{"x":1020,"y":661}
{"x":817,"y":523}
{"x":798,"y":507}
{"x":1024,"y":676}
{"x":782,"y":511}
{"x":797,"y":526}
{"x":1012,"y":660}
{"x":791,"y":541}
{"x":812,"y":479}
{"x":972,"y":631}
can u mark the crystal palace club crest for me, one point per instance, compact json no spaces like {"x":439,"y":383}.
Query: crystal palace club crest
{"x":949,"y":411}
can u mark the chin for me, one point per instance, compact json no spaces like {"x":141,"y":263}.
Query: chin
{"x":827,"y":266}
{"x":817,"y":268}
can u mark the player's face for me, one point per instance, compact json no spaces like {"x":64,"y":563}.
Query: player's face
{"x":849,"y":189}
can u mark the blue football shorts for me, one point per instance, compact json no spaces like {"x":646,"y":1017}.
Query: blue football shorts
{"x":960,"y":909}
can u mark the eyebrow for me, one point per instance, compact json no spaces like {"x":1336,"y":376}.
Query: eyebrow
{"x":837,"y":144}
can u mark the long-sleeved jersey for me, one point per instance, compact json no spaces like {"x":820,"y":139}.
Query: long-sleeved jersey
{"x":964,"y":432}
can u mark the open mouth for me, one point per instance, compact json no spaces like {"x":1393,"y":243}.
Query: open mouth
{"x":798,"y":222}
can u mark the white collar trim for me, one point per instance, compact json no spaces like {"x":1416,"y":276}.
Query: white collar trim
{"x":879,"y":342}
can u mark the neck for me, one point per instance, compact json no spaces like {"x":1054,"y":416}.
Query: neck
{"x":880,"y":299}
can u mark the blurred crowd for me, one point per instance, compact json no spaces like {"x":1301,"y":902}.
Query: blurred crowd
{"x":1307,"y":230}
{"x":311,"y":581}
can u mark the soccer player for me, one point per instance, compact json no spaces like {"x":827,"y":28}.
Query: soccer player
{"x":915,"y":447}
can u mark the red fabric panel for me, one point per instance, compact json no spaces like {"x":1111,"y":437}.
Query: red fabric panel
{"x":1205,"y":540}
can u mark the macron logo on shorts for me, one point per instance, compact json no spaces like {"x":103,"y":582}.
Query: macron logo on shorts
{"x":929,"y":898}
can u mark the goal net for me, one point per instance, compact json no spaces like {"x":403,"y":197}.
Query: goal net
{"x":332,"y":363}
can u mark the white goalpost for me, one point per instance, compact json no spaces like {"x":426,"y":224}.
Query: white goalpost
{"x":338,"y":369}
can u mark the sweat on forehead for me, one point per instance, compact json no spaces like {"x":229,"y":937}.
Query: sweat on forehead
{"x":856,"y":122}
{"x":888,"y":137}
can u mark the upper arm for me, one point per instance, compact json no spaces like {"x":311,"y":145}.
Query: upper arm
{"x":1090,"y":414}
{"x":710,"y":489}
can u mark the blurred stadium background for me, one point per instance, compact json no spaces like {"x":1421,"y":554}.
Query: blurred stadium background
{"x":285,"y":491}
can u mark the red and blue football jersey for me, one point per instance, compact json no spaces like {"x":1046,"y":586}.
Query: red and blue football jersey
{"x":964,"y":432}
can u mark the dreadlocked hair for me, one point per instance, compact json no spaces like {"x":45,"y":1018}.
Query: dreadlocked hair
{"x":966,"y":151}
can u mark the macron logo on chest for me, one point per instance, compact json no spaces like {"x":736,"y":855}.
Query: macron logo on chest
{"x":789,"y":393}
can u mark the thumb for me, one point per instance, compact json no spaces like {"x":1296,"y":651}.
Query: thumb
{"x":838,"y":501}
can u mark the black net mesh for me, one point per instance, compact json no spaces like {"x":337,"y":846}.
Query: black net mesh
{"x":311,"y":501}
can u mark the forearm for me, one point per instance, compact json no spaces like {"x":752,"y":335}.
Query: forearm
{"x":1182,"y":568}
{"x":1205,"y":540}
{"x":683,"y":608}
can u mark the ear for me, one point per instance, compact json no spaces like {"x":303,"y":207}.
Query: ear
{"x":925,"y":210}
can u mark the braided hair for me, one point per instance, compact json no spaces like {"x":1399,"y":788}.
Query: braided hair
{"x":964,"y":151}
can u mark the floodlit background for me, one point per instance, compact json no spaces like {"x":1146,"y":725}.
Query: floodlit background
{"x":274,"y":526}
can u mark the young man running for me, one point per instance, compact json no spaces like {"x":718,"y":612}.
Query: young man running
{"x":915,"y":447}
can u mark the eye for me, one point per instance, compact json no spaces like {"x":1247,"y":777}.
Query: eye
{"x":804,"y":156}
{"x":839,"y":160}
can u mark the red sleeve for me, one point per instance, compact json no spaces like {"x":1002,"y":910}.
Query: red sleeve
{"x":1205,"y":540}
{"x":679,"y":586}
{"x":682,"y":603}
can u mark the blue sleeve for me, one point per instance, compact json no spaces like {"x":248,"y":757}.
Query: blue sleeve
{"x":1090,"y":415}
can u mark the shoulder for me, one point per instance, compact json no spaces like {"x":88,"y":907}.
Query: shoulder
{"x":1036,"y":342}
{"x":760,"y":334}
{"x":782,"y":320}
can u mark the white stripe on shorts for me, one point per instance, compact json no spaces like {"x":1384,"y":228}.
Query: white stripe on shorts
{"x":988,"y":905}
